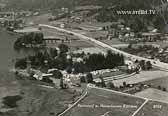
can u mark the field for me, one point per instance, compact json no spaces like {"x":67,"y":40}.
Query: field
{"x":36,"y":100}
{"x":158,"y":82}
{"x":114,"y":41}
{"x":74,"y":43}
{"x":154,"y":94}
{"x":142,"y":77}
{"x":102,"y":102}
{"x":52,"y":32}
{"x":43,"y":18}
{"x":153,"y":108}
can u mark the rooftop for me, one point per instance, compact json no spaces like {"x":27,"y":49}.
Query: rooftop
{"x":91,"y":50}
{"x":27,"y":30}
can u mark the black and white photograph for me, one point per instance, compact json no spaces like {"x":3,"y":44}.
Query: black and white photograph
{"x":83,"y":57}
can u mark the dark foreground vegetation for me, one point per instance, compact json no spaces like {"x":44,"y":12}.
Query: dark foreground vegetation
{"x":11,"y":101}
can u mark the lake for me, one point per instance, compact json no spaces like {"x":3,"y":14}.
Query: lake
{"x":6,"y":50}
{"x":8,"y":54}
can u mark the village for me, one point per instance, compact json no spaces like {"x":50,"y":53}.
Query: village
{"x":87,"y":54}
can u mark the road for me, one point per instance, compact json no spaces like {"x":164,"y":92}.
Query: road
{"x":161,"y":65}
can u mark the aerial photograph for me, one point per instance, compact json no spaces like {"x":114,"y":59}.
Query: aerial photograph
{"x":83,"y":57}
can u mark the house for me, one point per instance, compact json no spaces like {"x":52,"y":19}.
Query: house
{"x":112,"y":32}
{"x":51,"y":40}
{"x":55,"y":81}
{"x":39,"y":75}
{"x":90,"y":50}
{"x":73,"y":79}
{"x":151,"y":36}
{"x":131,"y":66}
{"x":27,"y":30}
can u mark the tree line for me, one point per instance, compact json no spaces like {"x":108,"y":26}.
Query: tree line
{"x":100,"y":61}
{"x":52,"y":59}
{"x":29,"y":39}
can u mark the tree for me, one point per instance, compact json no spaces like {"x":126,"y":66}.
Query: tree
{"x":69,"y":69}
{"x":57,"y":74}
{"x":159,"y":87}
{"x":63,"y":48}
{"x":83,"y":79}
{"x":110,"y":85}
{"x":99,"y":61}
{"x":124,"y":84}
{"x":89,"y":78}
{"x":142,"y":64}
{"x":53,"y":52}
{"x":148,"y":65}
{"x":60,"y":62}
{"x":21,"y":63}
{"x":62,"y":83}
{"x":11,"y":101}
{"x":28,"y":39}
{"x":164,"y":89}
{"x":130,"y":46}
{"x":102,"y":81}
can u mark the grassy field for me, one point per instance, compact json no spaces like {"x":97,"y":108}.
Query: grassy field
{"x":154,"y":94}
{"x":75,"y":45}
{"x":37,"y":100}
{"x":114,"y":41}
{"x":43,"y":18}
{"x":52,"y":32}
{"x":75,"y":41}
{"x":101,"y":100}
{"x":143,"y":76}
{"x":158,"y":82}
{"x":153,"y":108}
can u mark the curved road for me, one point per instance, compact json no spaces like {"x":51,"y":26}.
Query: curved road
{"x":161,"y":65}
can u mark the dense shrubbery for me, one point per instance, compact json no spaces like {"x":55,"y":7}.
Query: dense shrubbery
{"x":21,"y":63}
{"x":99,"y":61}
{"x":28,"y":39}
{"x":10,"y":101}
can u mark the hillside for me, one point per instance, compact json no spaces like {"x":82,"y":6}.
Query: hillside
{"x":70,"y":3}
{"x":108,"y":11}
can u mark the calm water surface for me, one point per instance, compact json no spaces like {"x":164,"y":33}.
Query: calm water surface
{"x":7,"y":53}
